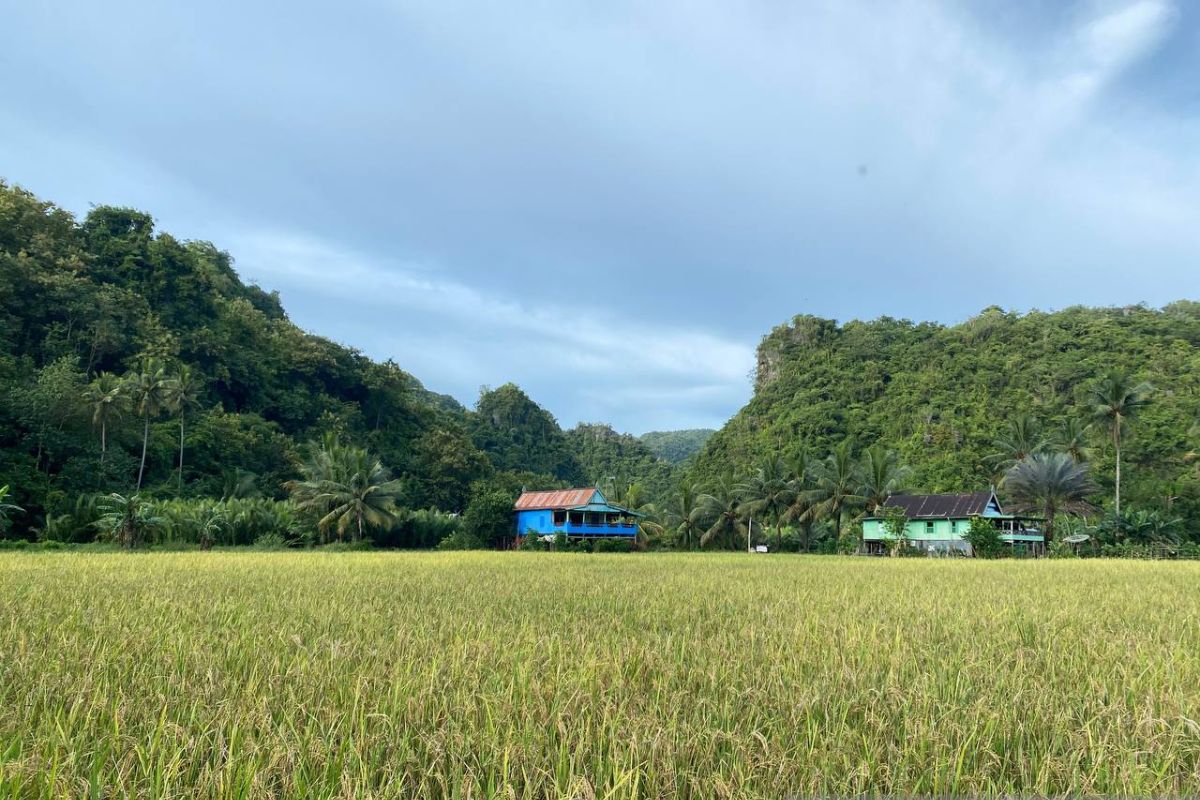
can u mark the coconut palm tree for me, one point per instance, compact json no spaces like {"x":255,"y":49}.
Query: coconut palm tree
{"x":684,"y":514}
{"x":351,"y":490}
{"x":148,"y":390}
{"x":1073,"y":439}
{"x":836,"y":483}
{"x":1050,"y":483}
{"x":801,"y":469}
{"x":127,"y":519}
{"x":107,"y":399}
{"x":768,"y":493}
{"x":882,"y":476}
{"x":1021,"y":439}
{"x":7,"y":508}
{"x":722,"y":503}
{"x":183,"y":393}
{"x":1116,"y":402}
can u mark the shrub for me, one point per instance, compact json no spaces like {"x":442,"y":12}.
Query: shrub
{"x":985,"y":540}
{"x":270,"y":541}
{"x":612,"y":546}
{"x":461,"y":540}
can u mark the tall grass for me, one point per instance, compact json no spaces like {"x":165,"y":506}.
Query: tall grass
{"x":218,"y":675}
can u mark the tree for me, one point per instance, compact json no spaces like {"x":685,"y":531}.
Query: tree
{"x":801,"y":470}
{"x":1050,"y":483}
{"x":1073,"y":438}
{"x":723,"y":505}
{"x":349,"y":489}
{"x":984,"y":538}
{"x":768,"y":494}
{"x":148,"y":389}
{"x":684,"y":514}
{"x":1117,"y":402}
{"x":6,"y":508}
{"x":835,"y":489}
{"x":107,"y":400}
{"x":895,"y":525}
{"x":882,"y":477}
{"x":182,"y":394}
{"x":1022,"y":438}
{"x":126,"y":519}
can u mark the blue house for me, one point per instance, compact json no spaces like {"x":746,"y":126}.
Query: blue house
{"x":579,"y":513}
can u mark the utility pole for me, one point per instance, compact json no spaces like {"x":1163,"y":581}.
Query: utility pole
{"x":749,"y":533}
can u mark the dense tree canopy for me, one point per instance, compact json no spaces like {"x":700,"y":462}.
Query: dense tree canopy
{"x":962,"y":403}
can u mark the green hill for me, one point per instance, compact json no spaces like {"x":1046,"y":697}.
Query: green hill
{"x":940,"y":395}
{"x":675,"y":447}
{"x":110,"y":293}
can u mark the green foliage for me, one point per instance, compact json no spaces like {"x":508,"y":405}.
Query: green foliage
{"x":614,"y":460}
{"x":942,"y":396}
{"x":517,"y":434}
{"x":6,"y":509}
{"x":985,"y":539}
{"x":348,"y":488}
{"x":676,"y":447}
{"x":130,"y":358}
{"x":127,"y":520}
{"x":1049,"y":483}
{"x":461,"y":540}
{"x":895,"y":526}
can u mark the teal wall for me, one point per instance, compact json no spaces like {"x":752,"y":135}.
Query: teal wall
{"x":920,"y":529}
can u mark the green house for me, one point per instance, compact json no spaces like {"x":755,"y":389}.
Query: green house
{"x":937,"y":522}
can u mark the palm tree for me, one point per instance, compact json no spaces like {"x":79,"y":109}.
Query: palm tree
{"x":1072,"y":438}
{"x":723,"y":504}
{"x":1116,"y":402}
{"x":183,"y":393}
{"x":348,"y":488}
{"x":684,"y":514}
{"x":769,"y":493}
{"x":7,"y":508}
{"x":882,"y":476}
{"x":148,"y":390}
{"x":107,"y":399}
{"x":1150,"y":527}
{"x":1020,"y":440}
{"x":801,"y":470}
{"x":1050,"y":483}
{"x":126,"y":519}
{"x":835,"y":488}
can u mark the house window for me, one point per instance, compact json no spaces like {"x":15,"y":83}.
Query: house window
{"x":560,"y":518}
{"x":929,"y":528}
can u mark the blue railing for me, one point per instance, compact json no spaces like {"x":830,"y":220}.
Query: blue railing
{"x":579,"y":529}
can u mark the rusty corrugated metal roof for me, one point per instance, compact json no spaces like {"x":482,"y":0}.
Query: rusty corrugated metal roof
{"x":955,"y":506}
{"x":556,"y":499}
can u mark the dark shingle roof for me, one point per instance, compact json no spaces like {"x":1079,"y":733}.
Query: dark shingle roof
{"x":917,"y":506}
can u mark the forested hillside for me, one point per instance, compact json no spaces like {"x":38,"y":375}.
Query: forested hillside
{"x":115,"y":336}
{"x":944,"y":398}
{"x":675,"y":447}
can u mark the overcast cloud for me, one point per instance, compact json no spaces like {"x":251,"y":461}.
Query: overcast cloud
{"x":610,"y":203}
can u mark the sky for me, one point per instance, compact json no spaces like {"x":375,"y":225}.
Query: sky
{"x":611,"y":203}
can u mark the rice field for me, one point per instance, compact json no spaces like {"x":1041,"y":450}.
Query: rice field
{"x":379,"y":675}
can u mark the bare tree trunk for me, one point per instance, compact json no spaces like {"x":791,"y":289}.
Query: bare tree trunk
{"x":1117,"y":450}
{"x":145,"y":442}
{"x":103,"y":449}
{"x":180,"y":489}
